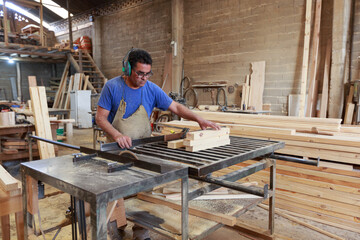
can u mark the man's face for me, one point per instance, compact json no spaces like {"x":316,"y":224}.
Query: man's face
{"x":139,"y":75}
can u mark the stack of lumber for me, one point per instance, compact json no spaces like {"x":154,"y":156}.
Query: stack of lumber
{"x":15,"y":145}
{"x":203,"y":139}
{"x":339,"y":149}
{"x":15,"y":148}
{"x":325,"y":194}
{"x":321,"y":194}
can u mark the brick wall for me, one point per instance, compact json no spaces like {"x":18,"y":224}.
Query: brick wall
{"x":42,"y":71}
{"x":146,"y":26}
{"x":222,"y":38}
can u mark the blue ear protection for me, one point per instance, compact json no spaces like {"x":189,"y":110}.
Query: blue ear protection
{"x":126,"y":65}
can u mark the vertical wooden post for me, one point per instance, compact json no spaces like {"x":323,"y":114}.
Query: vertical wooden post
{"x":70,"y":24}
{"x":177,"y":37}
{"x":313,"y":83}
{"x":340,"y":36}
{"x":41,"y":25}
{"x":305,"y":63}
{"x":6,"y":40}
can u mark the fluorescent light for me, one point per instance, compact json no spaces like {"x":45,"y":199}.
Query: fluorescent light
{"x":56,"y":8}
{"x":25,"y":13}
{"x":10,"y":60}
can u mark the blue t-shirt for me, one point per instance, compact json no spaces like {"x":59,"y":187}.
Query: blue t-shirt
{"x":151,"y":95}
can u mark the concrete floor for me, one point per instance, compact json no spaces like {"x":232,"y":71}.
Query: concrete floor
{"x":53,"y":208}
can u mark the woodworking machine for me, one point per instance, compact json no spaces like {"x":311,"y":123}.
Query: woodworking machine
{"x":101,"y":176}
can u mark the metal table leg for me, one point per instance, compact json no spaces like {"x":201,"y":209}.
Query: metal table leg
{"x":184,"y":208}
{"x":272,"y":198}
{"x":98,"y":220}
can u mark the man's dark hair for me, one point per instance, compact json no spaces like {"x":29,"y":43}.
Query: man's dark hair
{"x":139,"y":55}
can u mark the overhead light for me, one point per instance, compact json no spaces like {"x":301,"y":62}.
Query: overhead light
{"x":55,"y":8}
{"x":10,"y":60}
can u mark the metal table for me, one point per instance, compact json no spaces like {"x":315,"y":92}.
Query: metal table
{"x":203,"y":163}
{"x":89,"y":181}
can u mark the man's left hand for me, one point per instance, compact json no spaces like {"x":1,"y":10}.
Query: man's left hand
{"x":208,"y":124}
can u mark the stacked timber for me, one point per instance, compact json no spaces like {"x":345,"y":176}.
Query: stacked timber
{"x":203,"y":139}
{"x":325,"y":194}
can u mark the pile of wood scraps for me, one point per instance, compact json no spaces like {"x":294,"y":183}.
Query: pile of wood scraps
{"x":201,"y":140}
{"x":15,"y":145}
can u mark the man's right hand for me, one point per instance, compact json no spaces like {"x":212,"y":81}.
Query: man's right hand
{"x":123,"y":141}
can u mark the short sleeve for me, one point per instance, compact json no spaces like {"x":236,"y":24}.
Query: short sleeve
{"x":162,"y":100}
{"x":105,"y":98}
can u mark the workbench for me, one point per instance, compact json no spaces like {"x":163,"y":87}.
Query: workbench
{"x":89,"y":181}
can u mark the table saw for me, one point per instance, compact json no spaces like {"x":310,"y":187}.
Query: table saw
{"x":100,"y":176}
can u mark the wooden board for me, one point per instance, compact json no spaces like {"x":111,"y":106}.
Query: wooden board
{"x":349,"y":113}
{"x":206,"y":141}
{"x":167,"y":75}
{"x":62,"y":86}
{"x":305,"y":62}
{"x":7,"y":182}
{"x":313,"y":84}
{"x":325,"y":87}
{"x":204,"y":134}
{"x":32,"y":81}
{"x":208,"y":145}
{"x":257,"y":85}
{"x":220,"y":218}
{"x":176,"y":144}
{"x":322,"y":124}
{"x":42,"y":123}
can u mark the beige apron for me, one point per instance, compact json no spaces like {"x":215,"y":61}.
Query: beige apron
{"x":135,"y":126}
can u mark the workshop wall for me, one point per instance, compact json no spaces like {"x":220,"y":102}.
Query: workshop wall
{"x":221,"y":38}
{"x":146,"y":26}
{"x":43,"y":72}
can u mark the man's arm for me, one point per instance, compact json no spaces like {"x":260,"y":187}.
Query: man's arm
{"x":102,"y":121}
{"x":184,"y":112}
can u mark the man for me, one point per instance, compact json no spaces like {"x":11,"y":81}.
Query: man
{"x":126,"y":103}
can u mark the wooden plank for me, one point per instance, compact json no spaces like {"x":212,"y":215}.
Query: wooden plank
{"x":305,"y":62}
{"x":218,"y":217}
{"x":322,"y":124}
{"x":203,"y":134}
{"x":349,"y":113}
{"x":167,"y":75}
{"x":313,"y":84}
{"x":205,"y":141}
{"x":32,"y":81}
{"x":208,"y":145}
{"x":86,"y":81}
{"x":5,"y":227}
{"x":325,"y":87}
{"x":62,"y":86}
{"x":42,"y":123}
{"x":257,"y":85}
{"x":7,"y":182}
{"x":77,"y":81}
{"x":176,"y":144}
{"x":67,"y":101}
